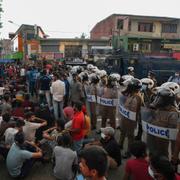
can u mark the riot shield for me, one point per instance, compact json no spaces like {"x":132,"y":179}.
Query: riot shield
{"x":124,"y":110}
{"x":90,"y":93}
{"x":107,"y":97}
{"x":160,"y":124}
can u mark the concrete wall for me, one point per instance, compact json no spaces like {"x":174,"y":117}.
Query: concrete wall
{"x":104,"y":29}
{"x":108,"y":27}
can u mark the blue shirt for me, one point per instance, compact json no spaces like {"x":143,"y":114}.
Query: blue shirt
{"x":45,"y":82}
{"x":15,"y":159}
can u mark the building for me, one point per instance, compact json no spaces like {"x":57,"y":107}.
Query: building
{"x":5,"y":47}
{"x":30,"y":42}
{"x":58,"y":48}
{"x":143,"y":34}
{"x":26,"y":41}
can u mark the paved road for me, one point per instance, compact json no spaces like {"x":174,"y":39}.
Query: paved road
{"x":44,"y":171}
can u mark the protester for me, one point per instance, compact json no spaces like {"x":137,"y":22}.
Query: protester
{"x":77,"y":127}
{"x":161,"y":169}
{"x":137,"y":168}
{"x":31,"y":126}
{"x":65,"y":160}
{"x":110,"y":145}
{"x":19,"y":161}
{"x":58,"y":92}
{"x":93,"y":163}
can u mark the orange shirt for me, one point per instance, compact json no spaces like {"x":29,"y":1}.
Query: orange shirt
{"x":87,"y":125}
{"x":78,"y":123}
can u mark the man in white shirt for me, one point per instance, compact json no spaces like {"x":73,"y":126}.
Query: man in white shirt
{"x":31,"y":126}
{"x":58,"y":93}
{"x":10,"y":132}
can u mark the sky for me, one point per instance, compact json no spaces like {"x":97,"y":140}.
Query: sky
{"x":71,"y":18}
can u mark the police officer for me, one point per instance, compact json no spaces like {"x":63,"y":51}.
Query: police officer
{"x":130,"y":110}
{"x":92,"y":98}
{"x":146,"y":92}
{"x":162,"y":123}
{"x":109,"y":100}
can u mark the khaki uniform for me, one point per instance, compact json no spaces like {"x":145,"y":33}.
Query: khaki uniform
{"x":133,"y":104}
{"x":166,"y":118}
{"x":91,"y":98}
{"x":108,"y":111}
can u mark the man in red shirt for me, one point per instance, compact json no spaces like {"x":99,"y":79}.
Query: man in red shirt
{"x":137,"y":168}
{"x":77,"y":127}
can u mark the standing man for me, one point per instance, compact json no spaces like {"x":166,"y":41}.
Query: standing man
{"x":44,"y":84}
{"x":76,"y":90}
{"x":58,"y":92}
{"x":77,"y":127}
{"x":130,"y":113}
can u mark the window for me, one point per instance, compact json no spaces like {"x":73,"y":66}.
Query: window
{"x":169,"y":28}
{"x":145,"y":27}
{"x":120,"y":24}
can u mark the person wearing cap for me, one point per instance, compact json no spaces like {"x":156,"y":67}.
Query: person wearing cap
{"x":110,"y":145}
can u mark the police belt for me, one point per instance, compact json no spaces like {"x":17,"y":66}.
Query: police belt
{"x":127,"y":113}
{"x":107,"y":102}
{"x":91,"y":98}
{"x":161,"y":132}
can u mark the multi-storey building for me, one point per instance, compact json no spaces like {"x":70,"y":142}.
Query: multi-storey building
{"x":144,"y":34}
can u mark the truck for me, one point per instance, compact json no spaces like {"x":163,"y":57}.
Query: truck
{"x":162,"y":66}
{"x":99,"y":53}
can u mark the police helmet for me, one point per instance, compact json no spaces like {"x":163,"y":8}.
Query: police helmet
{"x":102,"y":73}
{"x":90,"y":67}
{"x":115,"y":77}
{"x":83,"y":76}
{"x":173,"y":86}
{"x":147,"y":83}
{"x":93,"y":78}
{"x":164,"y":97}
{"x":134,"y":85}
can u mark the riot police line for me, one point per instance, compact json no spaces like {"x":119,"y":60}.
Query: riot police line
{"x":154,"y":110}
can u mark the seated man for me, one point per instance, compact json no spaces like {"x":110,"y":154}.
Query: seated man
{"x":64,"y":158}
{"x":51,"y":134}
{"x":20,"y":161}
{"x":32,"y":123}
{"x":9,"y":137}
{"x":110,"y":145}
{"x":93,"y":163}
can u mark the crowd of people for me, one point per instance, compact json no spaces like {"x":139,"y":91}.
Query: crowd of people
{"x":50,"y":113}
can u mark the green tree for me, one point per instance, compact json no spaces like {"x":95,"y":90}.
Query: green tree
{"x":1,"y":10}
{"x":83,"y":36}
